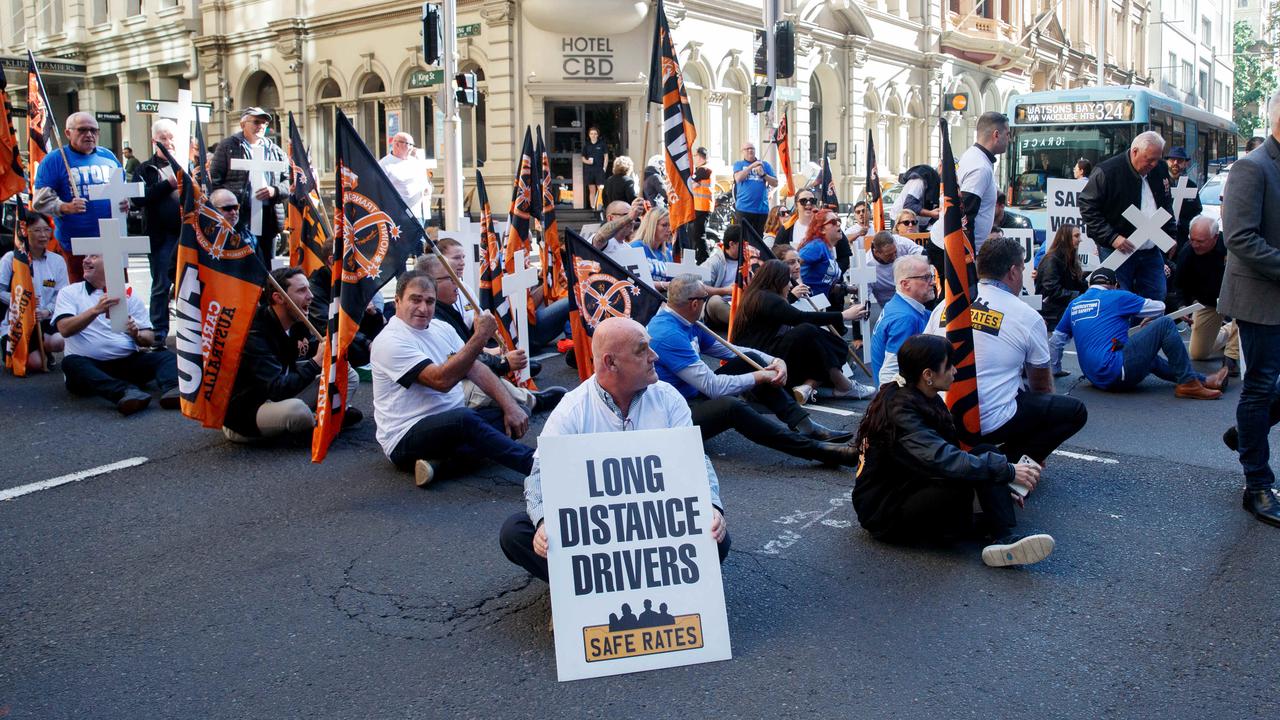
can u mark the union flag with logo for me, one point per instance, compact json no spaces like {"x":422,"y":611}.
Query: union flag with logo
{"x":491,"y":298}
{"x":666,"y":86}
{"x":303,"y":221}
{"x":12,"y":176}
{"x":960,"y":287}
{"x":874,"y":200}
{"x":600,"y":288}
{"x":378,"y":235}
{"x":554,"y":283}
{"x":218,"y":283}
{"x":526,"y":203}
{"x":752,"y":253}
{"x":40,"y":126}
{"x":825,"y":188}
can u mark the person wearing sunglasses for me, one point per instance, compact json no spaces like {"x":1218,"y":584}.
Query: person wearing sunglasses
{"x":904,"y":315}
{"x":407,"y":170}
{"x":75,"y":215}
{"x":818,"y":266}
{"x":806,"y":206}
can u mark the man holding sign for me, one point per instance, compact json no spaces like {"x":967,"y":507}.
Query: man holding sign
{"x":623,"y":394}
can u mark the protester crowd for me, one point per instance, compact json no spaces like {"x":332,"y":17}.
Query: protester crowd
{"x":443,"y":389}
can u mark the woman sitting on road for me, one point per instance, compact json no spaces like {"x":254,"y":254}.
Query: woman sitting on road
{"x":915,"y":483}
{"x":818,"y":265}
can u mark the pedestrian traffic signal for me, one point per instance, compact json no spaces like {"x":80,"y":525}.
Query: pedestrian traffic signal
{"x":465,"y":88}
{"x":432,"y":34}
{"x":784,"y":42}
{"x":761,"y":98}
{"x":955,"y":102}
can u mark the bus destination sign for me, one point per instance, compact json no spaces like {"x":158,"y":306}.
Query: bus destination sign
{"x":1074,"y":112}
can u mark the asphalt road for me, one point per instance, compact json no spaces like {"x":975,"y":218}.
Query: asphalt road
{"x":219,"y":581}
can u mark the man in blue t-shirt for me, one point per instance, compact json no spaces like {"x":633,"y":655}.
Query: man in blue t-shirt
{"x":77,"y":216}
{"x":904,"y":315}
{"x":1112,"y":359}
{"x":752,"y":178}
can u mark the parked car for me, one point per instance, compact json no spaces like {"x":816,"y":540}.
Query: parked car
{"x":1211,"y":195}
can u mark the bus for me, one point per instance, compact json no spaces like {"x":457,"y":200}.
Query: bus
{"x":1051,"y":130}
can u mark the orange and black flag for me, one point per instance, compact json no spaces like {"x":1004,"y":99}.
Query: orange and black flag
{"x":960,"y":287}
{"x":307,"y":236}
{"x":218,"y":284}
{"x":666,"y":86}
{"x":825,"y":188}
{"x":24,"y":330}
{"x":526,"y":203}
{"x":752,"y":254}
{"x":783,"y":138}
{"x":491,"y":298}
{"x":874,"y":200}
{"x":554,"y":283}
{"x":378,"y":235}
{"x":13,"y":178}
{"x":40,"y":127}
{"x":600,"y":288}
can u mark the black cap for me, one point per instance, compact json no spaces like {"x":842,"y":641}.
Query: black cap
{"x":1103,"y":275}
{"x":1178,"y":153}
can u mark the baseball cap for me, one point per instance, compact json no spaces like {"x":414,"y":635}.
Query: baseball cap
{"x":1178,"y":153}
{"x":255,"y":112}
{"x":1103,"y":275}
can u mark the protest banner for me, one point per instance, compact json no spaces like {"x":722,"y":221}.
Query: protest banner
{"x":1027,"y":237}
{"x":635,"y":574}
{"x":1062,"y":207}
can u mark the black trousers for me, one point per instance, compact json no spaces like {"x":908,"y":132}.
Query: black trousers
{"x":460,"y":435}
{"x":941,"y":509}
{"x":755,"y":220}
{"x":697,"y":235}
{"x":1042,"y":423}
{"x":164,"y":260}
{"x":111,"y":379}
{"x":516,"y":541}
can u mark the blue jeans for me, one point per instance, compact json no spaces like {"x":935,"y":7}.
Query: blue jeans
{"x":551,"y":320}
{"x":1260,"y":349}
{"x":462,"y":434}
{"x":1144,"y":274}
{"x":1142,"y":356}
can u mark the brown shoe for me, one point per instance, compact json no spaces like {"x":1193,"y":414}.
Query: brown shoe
{"x":1218,"y":380}
{"x":1195,"y":390}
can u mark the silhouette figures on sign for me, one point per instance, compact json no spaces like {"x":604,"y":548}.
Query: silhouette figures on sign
{"x":648,"y":618}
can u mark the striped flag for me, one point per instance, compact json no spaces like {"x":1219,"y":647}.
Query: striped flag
{"x":12,"y":176}
{"x":24,"y":330}
{"x":40,"y":126}
{"x":554,"y":283}
{"x":526,"y":202}
{"x":491,"y":297}
{"x":961,"y":285}
{"x":783,"y":138}
{"x":307,"y":237}
{"x":666,"y":86}
{"x":826,"y":186}
{"x":873,"y":188}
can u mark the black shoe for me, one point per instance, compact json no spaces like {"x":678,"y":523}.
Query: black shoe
{"x":1061,"y":373}
{"x":535,"y":367}
{"x":171,"y":399}
{"x":133,"y":401}
{"x":817,"y":431}
{"x":351,"y":417}
{"x":1264,"y":504}
{"x":1231,"y":438}
{"x":838,"y":454}
{"x":547,"y":399}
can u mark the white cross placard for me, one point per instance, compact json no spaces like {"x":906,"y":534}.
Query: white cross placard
{"x":633,"y":259}
{"x":114,"y":248}
{"x":862,"y":275}
{"x":258,"y":166}
{"x":516,"y":287}
{"x":183,"y":113}
{"x":1028,"y":239}
{"x":1145,"y":227}
{"x":1181,"y":193}
{"x":688,"y":264}
{"x":116,"y":190}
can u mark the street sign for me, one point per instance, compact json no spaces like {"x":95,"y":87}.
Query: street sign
{"x":109,"y":117}
{"x":466,"y":31}
{"x":151,"y":107}
{"x":425,"y":78}
{"x":787,"y":93}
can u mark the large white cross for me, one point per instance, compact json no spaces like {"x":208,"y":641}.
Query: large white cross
{"x":516,"y":287}
{"x":183,"y":113}
{"x":114,"y":247}
{"x":1145,"y":227}
{"x":116,"y":190}
{"x":862,"y":275}
{"x":687,"y":265}
{"x":258,"y":166}
{"x":1181,"y":193}
{"x":634,"y":259}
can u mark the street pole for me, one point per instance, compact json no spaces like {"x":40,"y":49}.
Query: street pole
{"x":1103,"y":9}
{"x":771,"y":80}
{"x":452,"y":122}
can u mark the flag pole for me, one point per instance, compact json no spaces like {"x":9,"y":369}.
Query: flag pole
{"x":48,"y":113}
{"x":292,"y":305}
{"x":741,"y":355}
{"x":457,"y":281}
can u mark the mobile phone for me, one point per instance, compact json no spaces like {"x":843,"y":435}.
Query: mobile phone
{"x":1022,"y":490}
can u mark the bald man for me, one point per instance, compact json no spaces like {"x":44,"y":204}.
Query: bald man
{"x":619,"y":224}
{"x":623,"y":394}
{"x":89,"y":165}
{"x":408,"y":173}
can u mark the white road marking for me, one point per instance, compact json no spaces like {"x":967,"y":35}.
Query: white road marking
{"x":21,"y":490}
{"x":1069,"y":352}
{"x":787,"y":538}
{"x":544,"y":356}
{"x":835,"y":411}
{"x":1090,"y":458}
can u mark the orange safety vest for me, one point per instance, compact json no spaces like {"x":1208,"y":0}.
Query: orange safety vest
{"x":702,"y":195}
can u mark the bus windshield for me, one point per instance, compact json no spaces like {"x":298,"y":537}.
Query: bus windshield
{"x":1039,"y":153}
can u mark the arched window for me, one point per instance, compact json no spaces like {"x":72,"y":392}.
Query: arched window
{"x":815,"y":120}
{"x":260,"y":91}
{"x":372,"y":114}
{"x":322,"y":140}
{"x":695,"y":83}
{"x":475,"y":134}
{"x":734,"y":129}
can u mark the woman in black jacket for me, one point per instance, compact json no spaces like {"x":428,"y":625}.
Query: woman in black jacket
{"x":814,"y":355}
{"x":915,"y":482}
{"x":620,"y":185}
{"x":1059,"y":278}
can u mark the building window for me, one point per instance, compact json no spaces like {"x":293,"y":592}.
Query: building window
{"x":1204,"y":87}
{"x":132,"y":7}
{"x":50,"y":14}
{"x":322,"y":141}
{"x":18,"y":21}
{"x":100,"y":11}
{"x":1188,"y":77}
{"x":1171,"y":71}
{"x":1218,"y":96}
{"x":1206,"y":31}
{"x":475,"y":134}
{"x":983,"y":8}
{"x":372,"y":115}
{"x":419,"y":117}
{"x":815,"y":120}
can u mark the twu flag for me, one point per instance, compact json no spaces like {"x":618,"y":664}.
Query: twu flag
{"x":554,"y":283}
{"x":526,"y":203}
{"x":666,"y":85}
{"x":826,"y":186}
{"x":40,"y":127}
{"x":491,"y":298}
{"x":783,"y":138}
{"x":874,"y":200}
{"x":219,"y":281}
{"x":600,"y":288}
{"x":307,"y":236}
{"x":960,"y":287}
{"x":12,"y":175}
{"x":24,"y":330}
{"x":753,"y":253}
{"x":378,"y":235}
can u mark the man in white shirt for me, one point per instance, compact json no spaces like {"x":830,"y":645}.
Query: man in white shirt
{"x":418,"y":401}
{"x":49,"y":273}
{"x":100,"y":361}
{"x":722,"y":272}
{"x":1009,"y":339}
{"x":977,"y":176}
{"x":885,"y":249}
{"x":623,"y":394}
{"x":408,"y":173}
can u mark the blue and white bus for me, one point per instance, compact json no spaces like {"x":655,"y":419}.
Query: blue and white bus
{"x":1053,"y":129}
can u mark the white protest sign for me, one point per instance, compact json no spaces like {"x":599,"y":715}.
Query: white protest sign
{"x":1062,"y":207}
{"x":634,"y":571}
{"x":862,"y":275}
{"x":258,"y":166}
{"x":1145,"y":227}
{"x":1028,"y":239}
{"x":633,"y":259}
{"x":516,"y":287}
{"x":813,"y":303}
{"x":1181,"y":193}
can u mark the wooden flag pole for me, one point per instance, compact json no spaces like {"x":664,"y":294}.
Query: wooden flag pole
{"x":431,"y":243}
{"x":293,"y":305}
{"x":741,"y":356}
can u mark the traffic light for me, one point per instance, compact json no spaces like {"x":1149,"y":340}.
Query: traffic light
{"x":955,"y":102}
{"x":761,"y":98}
{"x":432,"y":34}
{"x":465,"y":88}
{"x":784,"y":42}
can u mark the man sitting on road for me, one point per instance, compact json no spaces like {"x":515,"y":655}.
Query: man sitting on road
{"x":277,"y":383}
{"x":619,"y":226}
{"x":1114,"y":360}
{"x":1198,"y":277}
{"x":885,"y":249}
{"x":1009,"y":340}
{"x":623,"y":394}
{"x":103,"y":362}
{"x":713,"y":397}
{"x":903,"y":316}
{"x":418,"y":401}
{"x":722,"y":269}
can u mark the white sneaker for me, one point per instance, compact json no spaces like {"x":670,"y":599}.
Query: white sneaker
{"x":1018,"y":550}
{"x":858,"y":391}
{"x":424,"y":471}
{"x":803,"y":394}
